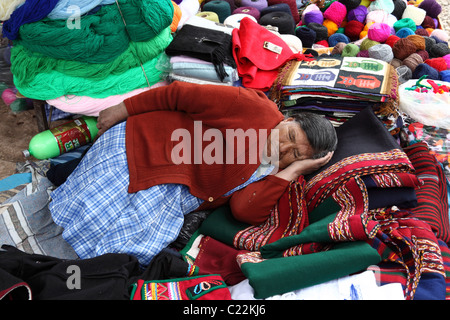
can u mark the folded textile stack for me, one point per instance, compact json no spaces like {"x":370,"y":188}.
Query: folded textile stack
{"x":75,"y":54}
{"x":339,"y":87}
{"x":201,"y":53}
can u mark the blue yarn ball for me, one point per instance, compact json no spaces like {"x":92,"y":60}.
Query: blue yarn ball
{"x":404,"y":32}
{"x":445,"y":75}
{"x":424,"y":69}
{"x":335,"y":38}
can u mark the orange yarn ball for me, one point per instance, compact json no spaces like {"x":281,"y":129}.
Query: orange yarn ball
{"x":331,"y":26}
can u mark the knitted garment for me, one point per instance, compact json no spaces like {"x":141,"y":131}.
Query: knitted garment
{"x":259,"y":53}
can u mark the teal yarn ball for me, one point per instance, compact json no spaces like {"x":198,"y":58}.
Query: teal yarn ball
{"x":221,"y":8}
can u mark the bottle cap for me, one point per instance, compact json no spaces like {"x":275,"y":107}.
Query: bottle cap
{"x":26,"y":153}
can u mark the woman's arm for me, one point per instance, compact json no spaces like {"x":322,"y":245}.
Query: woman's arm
{"x":253,"y":203}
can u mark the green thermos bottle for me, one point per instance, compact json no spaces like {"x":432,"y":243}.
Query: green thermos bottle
{"x":63,"y":138}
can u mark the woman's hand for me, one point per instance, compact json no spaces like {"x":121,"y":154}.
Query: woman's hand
{"x":111,"y":116}
{"x":303,"y":167}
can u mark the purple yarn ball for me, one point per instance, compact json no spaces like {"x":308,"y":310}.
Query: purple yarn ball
{"x":315,"y":16}
{"x":359,"y":14}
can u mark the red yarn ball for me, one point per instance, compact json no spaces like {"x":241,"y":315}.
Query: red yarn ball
{"x":391,"y":40}
{"x":323,"y":43}
{"x":424,"y":54}
{"x":353,"y":29}
{"x":437,"y":63}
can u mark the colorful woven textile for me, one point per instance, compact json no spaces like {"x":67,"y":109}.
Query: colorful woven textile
{"x":365,"y":147}
{"x":432,"y":207}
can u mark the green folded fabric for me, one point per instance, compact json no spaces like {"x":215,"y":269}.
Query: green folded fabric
{"x":280,"y":275}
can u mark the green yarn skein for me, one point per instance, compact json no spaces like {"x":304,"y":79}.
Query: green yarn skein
{"x":52,"y":85}
{"x":26,"y":65}
{"x":100,"y":37}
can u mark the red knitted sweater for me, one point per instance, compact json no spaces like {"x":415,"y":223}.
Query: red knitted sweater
{"x":157,"y":113}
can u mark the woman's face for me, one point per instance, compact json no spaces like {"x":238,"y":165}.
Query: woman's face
{"x":288,"y":143}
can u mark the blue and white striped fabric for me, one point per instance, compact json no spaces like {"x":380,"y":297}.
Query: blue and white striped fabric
{"x":99,"y":215}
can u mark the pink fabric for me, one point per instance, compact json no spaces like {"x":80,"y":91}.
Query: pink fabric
{"x":88,"y":106}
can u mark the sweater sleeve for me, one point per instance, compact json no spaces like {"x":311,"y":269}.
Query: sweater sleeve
{"x":216,"y":106}
{"x":253,"y":203}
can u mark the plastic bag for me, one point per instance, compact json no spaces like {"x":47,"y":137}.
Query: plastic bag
{"x":420,"y":101}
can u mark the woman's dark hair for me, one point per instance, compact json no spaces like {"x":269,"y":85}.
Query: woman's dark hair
{"x":320,"y":132}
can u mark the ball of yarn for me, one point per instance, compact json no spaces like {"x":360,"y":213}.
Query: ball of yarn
{"x":414,"y":13}
{"x":321,"y":31}
{"x":431,"y":7}
{"x":282,"y":20}
{"x":429,"y":43}
{"x":437,"y":63}
{"x":367,"y":43}
{"x":209,"y":15}
{"x":359,"y":13}
{"x":234,"y":20}
{"x":353,"y":29}
{"x":412,"y":61}
{"x":423,"y":54}
{"x":322,"y":43}
{"x":447,"y":59}
{"x":255,"y":13}
{"x":306,"y":35}
{"x":385,"y":5}
{"x":336,"y":38}
{"x":232,"y":3}
{"x":396,"y":63}
{"x":391,"y":40}
{"x":381,"y":52}
{"x":379,"y":32}
{"x":292,"y":5}
{"x":405,"y":23}
{"x":350,"y":50}
{"x":399,"y":7}
{"x":336,"y":12}
{"x":338,"y":47}
{"x":404,"y":73}
{"x":445,"y":75}
{"x":9,"y":96}
{"x":403,"y":48}
{"x":424,"y":69}
{"x":422,"y":32}
{"x":428,"y":22}
{"x":363,"y":54}
{"x":284,"y":7}
{"x":331,"y":27}
{"x":222,"y":8}
{"x":350,"y":4}
{"x":258,"y":4}
{"x":391,"y":20}
{"x":404,"y":32}
{"x":418,"y":41}
{"x":313,"y":17}
{"x":380,"y":16}
{"x":440,"y":35}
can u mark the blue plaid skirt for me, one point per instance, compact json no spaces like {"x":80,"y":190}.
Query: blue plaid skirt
{"x":99,"y":215}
